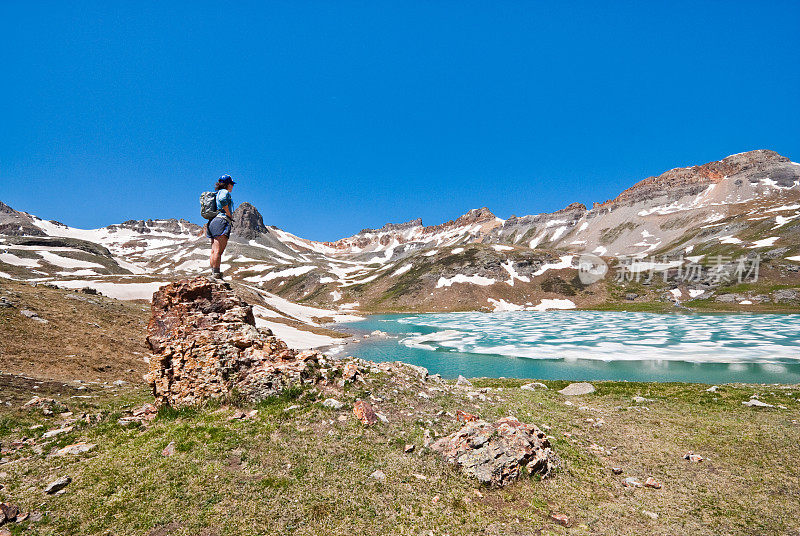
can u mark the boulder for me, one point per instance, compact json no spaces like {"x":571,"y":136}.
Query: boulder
{"x":463,"y":382}
{"x":57,"y":485}
{"x":533,"y":386}
{"x":205,"y":345}
{"x":497,"y":453}
{"x":580,"y":388}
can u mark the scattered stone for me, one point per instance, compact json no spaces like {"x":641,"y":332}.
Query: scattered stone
{"x":692,"y":457}
{"x":57,"y":485}
{"x":332,"y":403}
{"x":423,"y":395}
{"x":641,"y":399}
{"x":378,"y":475}
{"x":350,"y":372}
{"x":364,"y":413}
{"x":58,"y":431}
{"x":206,"y":345}
{"x":35,"y":517}
{"x":8,"y":512}
{"x":76,"y":448}
{"x":616,"y":470}
{"x":419,"y":476}
{"x":755,"y":403}
{"x":652,"y":483}
{"x":631,"y":482}
{"x":533,"y":386}
{"x":463,"y":416}
{"x":33,"y":316}
{"x":169,"y":450}
{"x":712,"y":389}
{"x":579,"y":388}
{"x":120,"y":383}
{"x":560,"y":519}
{"x":22,"y":517}
{"x":463,"y":382}
{"x":435,"y":499}
{"x":651,"y":515}
{"x":495,"y":453}
{"x":409,"y":448}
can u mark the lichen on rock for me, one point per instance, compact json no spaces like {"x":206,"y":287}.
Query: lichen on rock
{"x":206,"y":345}
{"x":498,"y":453}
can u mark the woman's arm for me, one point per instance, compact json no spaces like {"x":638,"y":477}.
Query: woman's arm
{"x":228,"y":211}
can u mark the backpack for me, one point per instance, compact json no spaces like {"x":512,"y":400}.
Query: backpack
{"x":208,"y":205}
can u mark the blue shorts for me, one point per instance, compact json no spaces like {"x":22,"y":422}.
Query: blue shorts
{"x":218,"y":227}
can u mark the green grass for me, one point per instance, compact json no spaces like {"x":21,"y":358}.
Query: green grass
{"x":297,"y":469}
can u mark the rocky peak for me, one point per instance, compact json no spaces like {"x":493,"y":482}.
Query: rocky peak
{"x":15,"y":223}
{"x":158,"y":226}
{"x":693,"y":179}
{"x":390,"y":227}
{"x":248,"y":224}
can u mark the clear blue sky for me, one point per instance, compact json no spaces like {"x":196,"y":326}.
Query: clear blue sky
{"x":334,"y":116}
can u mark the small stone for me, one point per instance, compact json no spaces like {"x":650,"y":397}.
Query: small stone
{"x":36,"y":517}
{"x":651,"y":515}
{"x":76,"y":448}
{"x":463,"y":382}
{"x":57,"y":485}
{"x":364,"y":413}
{"x":22,"y":517}
{"x":435,"y":499}
{"x":169,"y":450}
{"x":755,"y":403}
{"x":463,"y":416}
{"x":409,"y":448}
{"x":332,"y":403}
{"x":712,"y":389}
{"x":381,"y":417}
{"x":616,"y":470}
{"x":692,"y":457}
{"x":652,"y":483}
{"x":560,"y":519}
{"x":9,"y":511}
{"x":631,"y":482}
{"x":641,"y":399}
{"x":579,"y":388}
{"x":378,"y":475}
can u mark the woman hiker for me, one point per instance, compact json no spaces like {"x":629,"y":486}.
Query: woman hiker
{"x":219,"y":228}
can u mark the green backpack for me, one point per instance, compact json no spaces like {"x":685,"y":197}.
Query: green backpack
{"x":208,"y":205}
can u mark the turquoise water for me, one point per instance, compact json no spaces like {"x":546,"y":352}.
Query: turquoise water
{"x":589,"y":345}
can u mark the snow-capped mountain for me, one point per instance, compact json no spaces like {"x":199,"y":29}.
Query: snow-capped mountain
{"x":743,"y":205}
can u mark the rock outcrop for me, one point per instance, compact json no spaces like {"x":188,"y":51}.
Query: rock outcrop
{"x":205,"y":345}
{"x":248,"y":224}
{"x":497,"y":453}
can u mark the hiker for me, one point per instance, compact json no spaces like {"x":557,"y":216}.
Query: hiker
{"x":218,"y":229}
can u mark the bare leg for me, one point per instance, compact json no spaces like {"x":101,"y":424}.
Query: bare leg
{"x":218,"y":245}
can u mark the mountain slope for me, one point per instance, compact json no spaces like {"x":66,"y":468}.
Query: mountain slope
{"x":744,"y":206}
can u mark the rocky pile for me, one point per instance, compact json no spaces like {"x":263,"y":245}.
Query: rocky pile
{"x":205,"y":345}
{"x":497,"y":453}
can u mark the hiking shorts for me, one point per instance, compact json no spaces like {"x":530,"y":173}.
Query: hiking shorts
{"x":218,"y":227}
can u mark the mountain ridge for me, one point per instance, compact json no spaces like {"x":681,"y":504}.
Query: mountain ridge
{"x":743,"y":206}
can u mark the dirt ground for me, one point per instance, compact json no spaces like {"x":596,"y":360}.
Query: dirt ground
{"x":83,"y":336}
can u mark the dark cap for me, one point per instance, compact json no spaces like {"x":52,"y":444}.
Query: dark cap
{"x":226,"y":179}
